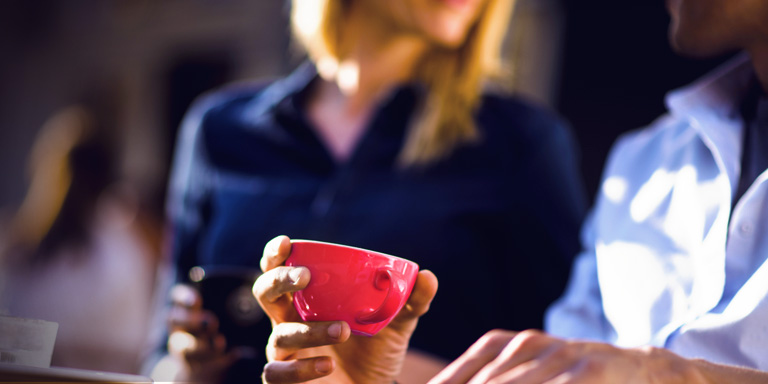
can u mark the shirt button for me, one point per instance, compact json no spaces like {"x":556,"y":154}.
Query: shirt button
{"x":745,"y":229}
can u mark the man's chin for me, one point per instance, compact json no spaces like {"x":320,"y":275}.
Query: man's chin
{"x":691,"y":48}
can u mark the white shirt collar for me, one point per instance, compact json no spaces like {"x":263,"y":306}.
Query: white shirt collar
{"x":711,"y":106}
{"x":719,"y":92}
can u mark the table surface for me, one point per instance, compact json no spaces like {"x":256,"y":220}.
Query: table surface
{"x":20,"y":373}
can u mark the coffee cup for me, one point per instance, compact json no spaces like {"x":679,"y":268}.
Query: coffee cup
{"x":364,"y":288}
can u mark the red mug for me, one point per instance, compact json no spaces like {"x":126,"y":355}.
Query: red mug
{"x":364,"y":288}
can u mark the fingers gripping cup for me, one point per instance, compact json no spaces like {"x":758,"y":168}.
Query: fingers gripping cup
{"x":364,"y":288}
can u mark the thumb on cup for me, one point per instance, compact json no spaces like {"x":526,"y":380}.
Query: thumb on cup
{"x":418,"y":303}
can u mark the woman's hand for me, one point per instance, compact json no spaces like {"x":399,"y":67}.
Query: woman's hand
{"x":534,"y":357}
{"x":299,"y":352}
{"x":195,"y":344}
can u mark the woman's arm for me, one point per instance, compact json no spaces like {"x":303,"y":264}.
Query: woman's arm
{"x":196,"y":351}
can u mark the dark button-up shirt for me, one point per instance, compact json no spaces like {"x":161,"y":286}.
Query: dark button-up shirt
{"x":496,"y":221}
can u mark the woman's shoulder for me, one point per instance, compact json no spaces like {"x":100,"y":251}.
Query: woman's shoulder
{"x":229,"y":114}
{"x":213,"y":118}
{"x":228,"y":100}
{"x":249,"y":102}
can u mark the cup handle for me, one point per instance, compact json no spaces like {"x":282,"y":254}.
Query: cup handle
{"x":396,"y":287}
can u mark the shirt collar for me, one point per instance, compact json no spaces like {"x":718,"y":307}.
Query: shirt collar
{"x":712,"y":107}
{"x":281,"y":90}
{"x":719,"y":92}
{"x":281,"y":94}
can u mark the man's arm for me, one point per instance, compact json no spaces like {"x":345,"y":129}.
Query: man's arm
{"x":534,"y":357}
{"x":719,"y":373}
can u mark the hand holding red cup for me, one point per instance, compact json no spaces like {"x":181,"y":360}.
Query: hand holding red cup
{"x":328,"y":351}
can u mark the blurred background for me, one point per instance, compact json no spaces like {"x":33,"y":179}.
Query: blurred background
{"x":138,"y":64}
{"x":604,"y":65}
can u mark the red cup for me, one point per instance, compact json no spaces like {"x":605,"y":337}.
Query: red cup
{"x":364,"y":288}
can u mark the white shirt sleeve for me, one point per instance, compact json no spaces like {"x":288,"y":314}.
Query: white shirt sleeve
{"x":579,"y":312}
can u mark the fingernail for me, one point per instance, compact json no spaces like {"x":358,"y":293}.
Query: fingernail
{"x":323,"y":366}
{"x":334,"y":331}
{"x":295,"y":275}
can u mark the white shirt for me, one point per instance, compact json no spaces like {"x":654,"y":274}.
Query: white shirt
{"x":667,"y":262}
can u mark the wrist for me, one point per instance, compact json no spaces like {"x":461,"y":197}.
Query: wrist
{"x":719,"y":373}
{"x":664,"y":366}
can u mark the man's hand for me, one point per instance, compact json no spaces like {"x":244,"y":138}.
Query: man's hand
{"x":299,"y":352}
{"x":534,"y":357}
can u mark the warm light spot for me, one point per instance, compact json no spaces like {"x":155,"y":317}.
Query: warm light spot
{"x":306,"y":16}
{"x":348,"y":77}
{"x":327,"y":67}
{"x":179,"y":342}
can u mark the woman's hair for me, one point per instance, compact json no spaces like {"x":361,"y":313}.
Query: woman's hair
{"x":454,"y":77}
{"x":72,"y":162}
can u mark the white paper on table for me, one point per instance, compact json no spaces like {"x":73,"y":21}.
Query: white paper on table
{"x":27,"y":341}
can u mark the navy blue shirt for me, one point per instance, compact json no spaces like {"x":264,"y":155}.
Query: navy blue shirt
{"x":497,"y":221}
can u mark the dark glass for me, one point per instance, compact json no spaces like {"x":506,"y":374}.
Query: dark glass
{"x":227,"y":292}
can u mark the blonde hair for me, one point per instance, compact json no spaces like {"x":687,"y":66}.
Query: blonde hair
{"x":454,"y":77}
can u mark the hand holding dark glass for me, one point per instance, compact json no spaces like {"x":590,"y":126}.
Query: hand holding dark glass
{"x":195,"y":341}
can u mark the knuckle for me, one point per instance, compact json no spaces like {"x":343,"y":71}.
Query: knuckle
{"x":491,"y":342}
{"x":279,"y":279}
{"x":282,"y":275}
{"x":528,"y":338}
{"x":271,"y":285}
{"x":262,"y":283}
{"x":274,"y":352}
{"x":530,"y":333}
{"x":485,"y":340}
{"x":496,"y":335}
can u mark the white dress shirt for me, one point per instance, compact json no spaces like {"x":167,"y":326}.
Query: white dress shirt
{"x":667,"y":261}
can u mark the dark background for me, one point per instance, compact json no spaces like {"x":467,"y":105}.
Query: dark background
{"x":614,"y":68}
{"x":617,"y":67}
